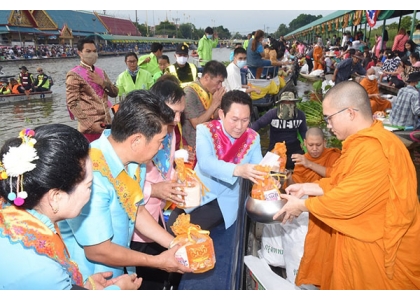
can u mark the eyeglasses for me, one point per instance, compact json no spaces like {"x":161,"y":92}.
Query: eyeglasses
{"x":328,"y":118}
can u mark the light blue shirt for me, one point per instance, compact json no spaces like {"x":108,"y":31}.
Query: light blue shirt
{"x":102,"y":218}
{"x":24,"y":269}
{"x":217,"y":175}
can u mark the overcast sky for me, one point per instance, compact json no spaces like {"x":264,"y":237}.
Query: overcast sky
{"x":242,"y":21}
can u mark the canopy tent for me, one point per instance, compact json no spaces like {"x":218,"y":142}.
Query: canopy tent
{"x":342,"y":19}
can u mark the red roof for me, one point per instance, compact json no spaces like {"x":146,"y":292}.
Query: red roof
{"x":119,"y":26}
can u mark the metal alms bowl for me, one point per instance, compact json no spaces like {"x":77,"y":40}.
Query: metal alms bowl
{"x":263,"y":211}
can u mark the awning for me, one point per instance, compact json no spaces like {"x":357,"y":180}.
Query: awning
{"x":24,"y":29}
{"x":140,"y":39}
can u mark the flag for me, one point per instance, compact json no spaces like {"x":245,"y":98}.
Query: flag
{"x":372,"y":16}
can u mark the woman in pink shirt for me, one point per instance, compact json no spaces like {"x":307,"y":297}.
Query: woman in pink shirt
{"x":399,"y":42}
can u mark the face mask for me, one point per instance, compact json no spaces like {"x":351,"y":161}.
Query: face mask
{"x":241,"y":64}
{"x":287,"y":111}
{"x":90,"y":58}
{"x":209,"y":36}
{"x":181,"y":60}
{"x":372,"y":77}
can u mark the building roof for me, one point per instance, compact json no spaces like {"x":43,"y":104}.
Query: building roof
{"x":80,"y":22}
{"x":118,"y":26}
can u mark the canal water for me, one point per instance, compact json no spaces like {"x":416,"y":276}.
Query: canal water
{"x":29,"y":114}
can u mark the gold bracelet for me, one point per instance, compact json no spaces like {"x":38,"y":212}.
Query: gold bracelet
{"x":92,"y":283}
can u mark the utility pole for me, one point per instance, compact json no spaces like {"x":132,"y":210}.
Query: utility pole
{"x":176,"y":26}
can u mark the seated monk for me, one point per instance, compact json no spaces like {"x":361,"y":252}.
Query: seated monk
{"x":370,"y":84}
{"x":317,"y":162}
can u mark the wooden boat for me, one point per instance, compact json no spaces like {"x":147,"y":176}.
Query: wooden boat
{"x":13,"y":98}
{"x":389,"y":89}
{"x":312,"y":77}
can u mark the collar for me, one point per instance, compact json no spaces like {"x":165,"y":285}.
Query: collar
{"x":114,"y":162}
{"x":91,"y":68}
{"x":43,"y":218}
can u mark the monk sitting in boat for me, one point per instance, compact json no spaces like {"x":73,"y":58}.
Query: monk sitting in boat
{"x":370,"y":84}
{"x":317,"y":162}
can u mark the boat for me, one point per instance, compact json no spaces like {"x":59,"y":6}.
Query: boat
{"x":312,"y":77}
{"x":386,"y":87}
{"x":14,"y":98}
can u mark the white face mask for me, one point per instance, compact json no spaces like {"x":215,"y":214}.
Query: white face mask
{"x":181,"y":60}
{"x":371,"y":77}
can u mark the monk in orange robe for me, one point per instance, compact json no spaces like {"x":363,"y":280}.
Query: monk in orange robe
{"x":364,"y":222}
{"x":318,"y":56}
{"x":317,"y":162}
{"x":370,"y":83}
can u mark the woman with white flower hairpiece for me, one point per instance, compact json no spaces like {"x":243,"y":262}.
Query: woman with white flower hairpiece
{"x":45,"y":177}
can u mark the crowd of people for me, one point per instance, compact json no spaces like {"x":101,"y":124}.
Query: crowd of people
{"x":99,"y":224}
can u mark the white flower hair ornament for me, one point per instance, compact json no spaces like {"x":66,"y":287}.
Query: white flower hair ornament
{"x":16,"y":162}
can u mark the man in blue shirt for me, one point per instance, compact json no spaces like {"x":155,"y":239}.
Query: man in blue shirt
{"x":98,"y":240}
{"x":348,"y":67}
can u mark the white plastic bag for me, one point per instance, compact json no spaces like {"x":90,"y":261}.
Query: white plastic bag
{"x":271,"y":245}
{"x":293,"y":240}
{"x":304,"y":69}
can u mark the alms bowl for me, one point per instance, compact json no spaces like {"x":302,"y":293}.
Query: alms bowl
{"x":263,"y":211}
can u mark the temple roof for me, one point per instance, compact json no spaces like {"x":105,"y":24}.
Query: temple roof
{"x":118,"y":26}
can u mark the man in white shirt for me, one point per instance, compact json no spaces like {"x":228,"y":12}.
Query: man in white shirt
{"x":233,"y":80}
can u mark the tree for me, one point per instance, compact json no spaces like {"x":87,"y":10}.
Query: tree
{"x":281,"y":31}
{"x":238,"y":36}
{"x":142,"y":28}
{"x":302,"y":20}
{"x":166,"y":28}
{"x":185,"y":30}
{"x":406,"y":22}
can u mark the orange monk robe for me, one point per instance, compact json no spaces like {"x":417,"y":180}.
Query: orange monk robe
{"x":318,"y":58}
{"x":371,"y":87}
{"x":327,"y":159}
{"x":364,"y":231}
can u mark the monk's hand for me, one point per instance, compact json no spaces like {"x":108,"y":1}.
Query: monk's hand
{"x":300,"y":159}
{"x":292,"y":209}
{"x":301,"y":189}
{"x":248,"y":171}
{"x":169,"y":190}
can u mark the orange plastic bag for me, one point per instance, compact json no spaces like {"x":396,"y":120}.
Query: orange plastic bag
{"x":281,"y":150}
{"x":194,"y":187}
{"x":197,"y":250}
{"x":266,"y":189}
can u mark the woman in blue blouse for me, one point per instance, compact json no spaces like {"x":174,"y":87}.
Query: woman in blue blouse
{"x":46,"y":176}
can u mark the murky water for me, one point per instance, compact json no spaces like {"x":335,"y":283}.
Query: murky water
{"x":29,"y":114}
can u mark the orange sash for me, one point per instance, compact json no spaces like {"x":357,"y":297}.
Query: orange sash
{"x":22,"y":227}
{"x":128,"y":189}
{"x":204,"y":97}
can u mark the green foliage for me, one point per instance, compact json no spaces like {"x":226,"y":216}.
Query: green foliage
{"x":302,"y":20}
{"x":317,"y":85}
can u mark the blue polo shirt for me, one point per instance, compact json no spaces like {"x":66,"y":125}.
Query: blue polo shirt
{"x":103,"y":217}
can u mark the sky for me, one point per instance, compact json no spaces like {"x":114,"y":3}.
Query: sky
{"x":242,"y":21}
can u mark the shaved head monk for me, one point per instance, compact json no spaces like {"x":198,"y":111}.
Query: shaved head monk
{"x":364,"y":224}
{"x":370,"y":83}
{"x":317,"y":162}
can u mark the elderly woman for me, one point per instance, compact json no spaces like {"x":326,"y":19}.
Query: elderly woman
{"x":46,"y":177}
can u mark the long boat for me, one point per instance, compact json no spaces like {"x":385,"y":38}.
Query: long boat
{"x":13,"y":98}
